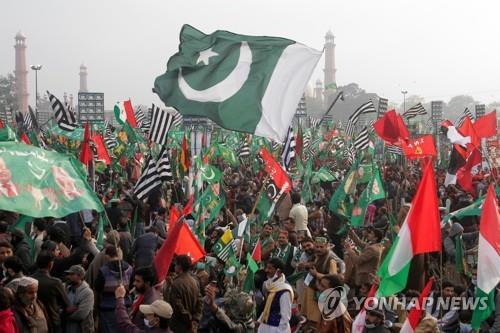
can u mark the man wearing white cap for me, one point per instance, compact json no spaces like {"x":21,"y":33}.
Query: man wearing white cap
{"x":28,"y":310}
{"x":156,"y":315}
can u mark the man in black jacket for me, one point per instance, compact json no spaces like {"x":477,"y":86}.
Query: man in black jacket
{"x":51,"y":291}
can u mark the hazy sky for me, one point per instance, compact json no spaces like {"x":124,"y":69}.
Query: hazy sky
{"x":436,"y":49}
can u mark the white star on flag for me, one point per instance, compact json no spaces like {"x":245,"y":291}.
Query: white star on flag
{"x":205,"y":55}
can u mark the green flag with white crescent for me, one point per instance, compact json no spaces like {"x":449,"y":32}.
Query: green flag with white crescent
{"x":373,"y":191}
{"x":237,"y":80}
{"x":40,"y":183}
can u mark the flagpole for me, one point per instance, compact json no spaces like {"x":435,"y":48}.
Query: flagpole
{"x":339,"y":95}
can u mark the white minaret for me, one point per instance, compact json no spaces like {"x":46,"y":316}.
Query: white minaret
{"x":21,"y":73}
{"x":83,"y":78}
{"x":329,"y":71}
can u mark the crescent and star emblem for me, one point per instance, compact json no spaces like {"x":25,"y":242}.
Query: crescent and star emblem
{"x":226,"y":88}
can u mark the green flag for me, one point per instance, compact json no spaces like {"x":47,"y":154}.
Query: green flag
{"x":460,"y":265}
{"x":373,"y":191}
{"x":228,"y":155}
{"x":252,"y":268}
{"x":41,"y":183}
{"x":237,"y":80}
{"x":322,"y":175}
{"x":224,"y":247}
{"x":340,"y":203}
{"x":7,"y":134}
{"x":100,"y":232}
{"x":210,"y":174}
{"x":392,"y":283}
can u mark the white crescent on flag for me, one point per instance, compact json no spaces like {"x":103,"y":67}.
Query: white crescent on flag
{"x":226,"y":88}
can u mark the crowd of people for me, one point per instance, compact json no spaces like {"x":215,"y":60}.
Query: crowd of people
{"x":55,"y":279}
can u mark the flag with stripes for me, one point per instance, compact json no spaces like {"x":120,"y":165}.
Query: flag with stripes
{"x":362,"y":140}
{"x":225,"y":246}
{"x":244,"y":150}
{"x":275,"y":145}
{"x":28,"y":120}
{"x":288,"y":149}
{"x":353,"y":118}
{"x":149,"y":179}
{"x":338,"y":142}
{"x":161,"y":121}
{"x":64,"y":116}
{"x":416,"y":110}
{"x":164,"y":168}
{"x":177,"y":118}
{"x":307,"y":140}
{"x":461,"y":119}
{"x":392,"y":149}
{"x":314,"y":122}
{"x":109,"y":137}
{"x":349,"y":155}
{"x":139,"y":115}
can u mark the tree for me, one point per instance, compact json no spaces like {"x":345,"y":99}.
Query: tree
{"x":8,"y":91}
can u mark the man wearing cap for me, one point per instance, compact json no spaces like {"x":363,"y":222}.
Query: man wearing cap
{"x":374,"y":322}
{"x":81,"y":299}
{"x":29,"y":312}
{"x":156,"y":315}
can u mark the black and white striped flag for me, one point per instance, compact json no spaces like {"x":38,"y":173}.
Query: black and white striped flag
{"x":64,"y":116}
{"x":288,"y":149}
{"x":275,"y":145}
{"x":164,"y":168}
{"x":139,"y":115}
{"x":461,"y":120}
{"x":109,"y":137}
{"x":353,"y":118}
{"x":392,"y":149}
{"x":149,"y":180}
{"x":315,"y":122}
{"x":244,"y":150}
{"x":349,"y":155}
{"x":307,"y":140}
{"x":161,"y":121}
{"x":28,"y":120}
{"x":362,"y":140}
{"x":177,"y":118}
{"x":338,"y":142}
{"x":416,"y":110}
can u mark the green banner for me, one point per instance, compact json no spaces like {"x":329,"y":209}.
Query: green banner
{"x":39,"y":183}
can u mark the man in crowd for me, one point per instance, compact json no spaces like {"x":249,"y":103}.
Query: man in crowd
{"x":299,"y":215}
{"x":285,"y":252}
{"x":144,"y":284}
{"x":28,"y":309}
{"x":278,"y":301}
{"x":51,"y":292}
{"x":184,"y":296}
{"x":81,"y":300}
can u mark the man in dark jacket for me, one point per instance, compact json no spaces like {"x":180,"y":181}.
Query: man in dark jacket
{"x":145,"y":247}
{"x":81,"y":297}
{"x":51,"y":291}
{"x":22,"y":249}
{"x":144,"y":284}
{"x":185,"y":298}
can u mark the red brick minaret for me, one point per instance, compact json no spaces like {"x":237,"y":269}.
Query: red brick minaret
{"x":21,"y":73}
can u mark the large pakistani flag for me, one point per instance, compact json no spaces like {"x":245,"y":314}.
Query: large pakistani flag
{"x":488,"y":261}
{"x":38,"y":183}
{"x":243,"y":83}
{"x":420,"y":233}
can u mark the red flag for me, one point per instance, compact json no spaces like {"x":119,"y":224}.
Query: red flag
{"x":489,"y":228}
{"x":174,"y":215}
{"x":423,"y":218}
{"x":25,"y":139}
{"x":257,"y":252}
{"x":188,"y":208}
{"x":332,"y":134}
{"x":180,"y":240}
{"x":419,"y":147}
{"x":1,"y":124}
{"x":391,"y":127}
{"x":486,"y":125}
{"x":86,"y":152}
{"x":415,"y":314}
{"x":276,"y":172}
{"x":464,"y":174}
{"x":102,"y":152}
{"x":129,"y":110}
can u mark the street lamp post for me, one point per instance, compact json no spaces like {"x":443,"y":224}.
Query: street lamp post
{"x":36,"y":68}
{"x":404,"y":92}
